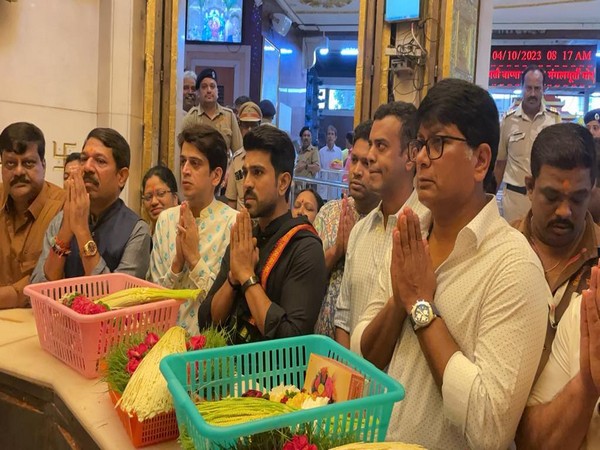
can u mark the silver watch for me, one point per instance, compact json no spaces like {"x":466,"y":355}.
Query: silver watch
{"x":422,"y":314}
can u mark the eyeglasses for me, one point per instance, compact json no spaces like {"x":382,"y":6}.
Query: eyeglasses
{"x":434,"y":146}
{"x":160,"y":194}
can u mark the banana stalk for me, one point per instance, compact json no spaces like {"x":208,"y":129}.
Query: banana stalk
{"x":141,"y":295}
{"x":147,"y":394}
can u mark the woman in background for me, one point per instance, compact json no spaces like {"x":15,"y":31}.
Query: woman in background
{"x":159,"y":192}
{"x":307,"y":203}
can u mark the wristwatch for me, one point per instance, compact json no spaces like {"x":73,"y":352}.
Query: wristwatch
{"x":250,"y":282}
{"x":422,"y":314}
{"x":90,"y":248}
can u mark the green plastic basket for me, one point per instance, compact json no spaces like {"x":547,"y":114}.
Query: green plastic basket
{"x":220,"y":372}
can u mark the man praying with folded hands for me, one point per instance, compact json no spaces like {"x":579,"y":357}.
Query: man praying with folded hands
{"x":96,"y":232}
{"x":273,"y":277}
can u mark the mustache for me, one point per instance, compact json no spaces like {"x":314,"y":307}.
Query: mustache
{"x":87,"y":177}
{"x":249,"y":194}
{"x":19,"y":179}
{"x":565,"y":223}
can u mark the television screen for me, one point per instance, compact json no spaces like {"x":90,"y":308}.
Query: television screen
{"x":214,"y":21}
{"x":399,"y":10}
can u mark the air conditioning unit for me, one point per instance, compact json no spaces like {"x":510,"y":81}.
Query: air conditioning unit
{"x":281,"y":23}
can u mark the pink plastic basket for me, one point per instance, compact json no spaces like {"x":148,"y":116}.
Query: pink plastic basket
{"x":81,"y":341}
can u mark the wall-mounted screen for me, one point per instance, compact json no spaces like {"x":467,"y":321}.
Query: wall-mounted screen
{"x":566,"y":66}
{"x":399,"y":10}
{"x":217,"y":21}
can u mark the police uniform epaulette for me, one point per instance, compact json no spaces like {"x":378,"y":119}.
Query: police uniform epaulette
{"x":552,"y":110}
{"x":510,"y":112}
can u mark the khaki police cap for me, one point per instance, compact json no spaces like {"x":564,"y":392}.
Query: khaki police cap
{"x":249,"y":112}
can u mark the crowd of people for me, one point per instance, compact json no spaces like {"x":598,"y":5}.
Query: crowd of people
{"x":490,"y":317}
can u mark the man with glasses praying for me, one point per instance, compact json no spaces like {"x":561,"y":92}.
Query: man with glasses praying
{"x":190,"y":240}
{"x":459,"y":317}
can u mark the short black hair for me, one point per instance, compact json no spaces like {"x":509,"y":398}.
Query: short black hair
{"x":318,"y":198}
{"x":350,"y":137}
{"x":363,"y":131}
{"x":164,"y":174}
{"x":305,"y":128}
{"x":18,"y":136}
{"x":565,"y":146}
{"x":207,"y":141}
{"x":597,"y":145}
{"x":406,"y":113}
{"x":241,"y":100}
{"x":468,"y":106}
{"x":75,"y":156}
{"x":533,"y":68}
{"x":116,"y":142}
{"x":278,"y":144}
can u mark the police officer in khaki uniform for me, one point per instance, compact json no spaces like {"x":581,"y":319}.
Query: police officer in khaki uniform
{"x":209,"y":112}
{"x":592,"y":122}
{"x":249,"y":115}
{"x":519,"y":129}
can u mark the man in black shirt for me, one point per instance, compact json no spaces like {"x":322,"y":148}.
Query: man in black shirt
{"x":272,"y":278}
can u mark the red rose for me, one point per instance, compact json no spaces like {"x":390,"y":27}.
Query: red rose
{"x":142,"y":349}
{"x":133,"y":353}
{"x":299,"y":442}
{"x":151,"y":339}
{"x":197,"y":342}
{"x":132,"y":365}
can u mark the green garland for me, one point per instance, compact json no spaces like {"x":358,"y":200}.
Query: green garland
{"x":273,"y":440}
{"x":116,"y":374}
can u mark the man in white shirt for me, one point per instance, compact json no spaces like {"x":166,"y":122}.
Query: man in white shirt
{"x":391,"y":175}
{"x":330,"y":157}
{"x":562,"y":408}
{"x":190,"y":240}
{"x":461,"y":317}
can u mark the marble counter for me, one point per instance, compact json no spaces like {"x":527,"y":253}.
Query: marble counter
{"x":22,"y":358}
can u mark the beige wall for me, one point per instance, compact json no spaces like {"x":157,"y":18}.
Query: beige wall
{"x":70,"y":66}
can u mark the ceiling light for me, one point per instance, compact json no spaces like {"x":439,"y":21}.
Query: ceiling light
{"x":349,"y":51}
{"x":269,"y":48}
{"x":517,"y":92}
{"x":286,"y":51}
{"x":323,"y":51}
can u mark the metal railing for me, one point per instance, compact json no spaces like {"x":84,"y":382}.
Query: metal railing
{"x":300,"y":183}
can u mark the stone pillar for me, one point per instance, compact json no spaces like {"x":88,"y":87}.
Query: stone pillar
{"x":121,"y":81}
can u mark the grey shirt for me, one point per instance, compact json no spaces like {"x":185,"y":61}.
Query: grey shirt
{"x":135,"y":260}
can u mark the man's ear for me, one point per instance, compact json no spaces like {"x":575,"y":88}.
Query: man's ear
{"x":122,"y":175}
{"x":283,"y":183}
{"x":217,"y":176}
{"x":529,"y":184}
{"x":483,"y":159}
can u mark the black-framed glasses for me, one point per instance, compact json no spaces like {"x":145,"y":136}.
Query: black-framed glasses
{"x":434,"y":146}
{"x":159,"y":194}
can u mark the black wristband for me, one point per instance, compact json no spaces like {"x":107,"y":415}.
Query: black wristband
{"x":235,"y":287}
